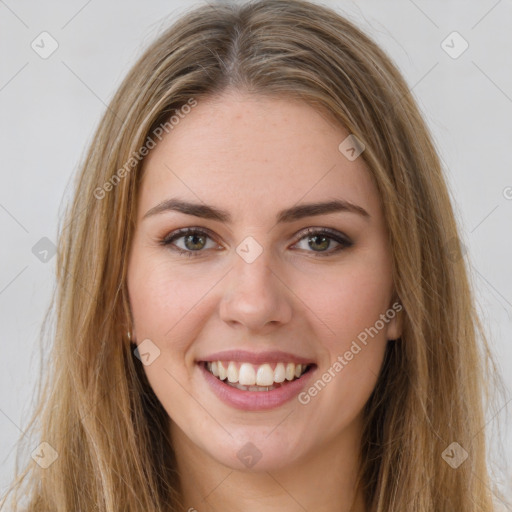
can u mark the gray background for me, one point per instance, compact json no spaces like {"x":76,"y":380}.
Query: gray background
{"x":50,"y":107}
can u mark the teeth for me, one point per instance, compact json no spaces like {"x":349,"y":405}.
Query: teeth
{"x":251,"y":388}
{"x":265,"y":375}
{"x":290,"y":371}
{"x":222,"y":371}
{"x":248,"y":376}
{"x":279,"y":373}
{"x":232,"y":372}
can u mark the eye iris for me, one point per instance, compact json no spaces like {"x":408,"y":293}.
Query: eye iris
{"x":193,"y":237}
{"x":325,"y":239}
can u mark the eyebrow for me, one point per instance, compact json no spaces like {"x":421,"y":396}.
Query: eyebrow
{"x":288,"y":215}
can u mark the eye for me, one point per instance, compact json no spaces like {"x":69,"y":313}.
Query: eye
{"x":321,"y":238}
{"x":194,"y":240}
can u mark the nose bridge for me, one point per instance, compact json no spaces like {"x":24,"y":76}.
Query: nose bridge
{"x":252,"y":269}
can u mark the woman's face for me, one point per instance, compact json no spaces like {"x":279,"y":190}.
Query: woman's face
{"x":253,"y":295}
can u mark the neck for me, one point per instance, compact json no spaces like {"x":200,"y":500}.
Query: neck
{"x":323,"y":481}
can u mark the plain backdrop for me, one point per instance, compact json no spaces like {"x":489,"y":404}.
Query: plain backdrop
{"x":51,"y":106}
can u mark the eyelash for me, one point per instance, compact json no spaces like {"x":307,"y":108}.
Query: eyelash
{"x":344,"y":241}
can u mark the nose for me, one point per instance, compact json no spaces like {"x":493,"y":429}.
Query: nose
{"x":256,"y":296}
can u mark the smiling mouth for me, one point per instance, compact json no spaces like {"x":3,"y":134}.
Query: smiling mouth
{"x":249,"y":377}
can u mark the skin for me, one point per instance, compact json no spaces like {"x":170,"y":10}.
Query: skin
{"x":253,"y":156}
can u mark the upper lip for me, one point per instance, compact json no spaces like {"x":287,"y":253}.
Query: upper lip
{"x":245,"y":356}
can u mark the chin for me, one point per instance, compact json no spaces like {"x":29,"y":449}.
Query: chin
{"x":253,"y":449}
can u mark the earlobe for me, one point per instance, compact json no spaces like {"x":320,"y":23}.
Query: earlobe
{"x":395,"y":326}
{"x":130,"y":336}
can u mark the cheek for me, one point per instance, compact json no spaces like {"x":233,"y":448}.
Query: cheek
{"x":164,"y":297}
{"x":349,"y":299}
{"x":350,"y":303}
{"x":163,"y":304}
{"x":353,"y":355}
{"x":351,"y":306}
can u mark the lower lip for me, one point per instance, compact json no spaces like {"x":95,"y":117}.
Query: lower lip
{"x":256,"y":400}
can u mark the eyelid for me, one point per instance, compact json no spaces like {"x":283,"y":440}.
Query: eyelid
{"x":188,"y":230}
{"x":324,"y":230}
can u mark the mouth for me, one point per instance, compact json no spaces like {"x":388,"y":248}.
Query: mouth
{"x":256,"y":382}
{"x":256,"y":378}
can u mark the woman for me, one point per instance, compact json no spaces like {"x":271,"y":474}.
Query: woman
{"x":262,"y":298}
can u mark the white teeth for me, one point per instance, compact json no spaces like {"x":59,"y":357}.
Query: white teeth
{"x":255,"y":377}
{"x":290,"y":371}
{"x":222,"y":371}
{"x":279,"y":373}
{"x":232,"y":372}
{"x":265,"y":375}
{"x":247,"y":375}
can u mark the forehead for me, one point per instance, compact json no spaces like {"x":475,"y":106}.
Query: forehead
{"x":254,"y":154}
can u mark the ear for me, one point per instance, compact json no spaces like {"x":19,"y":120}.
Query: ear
{"x":395,"y":325}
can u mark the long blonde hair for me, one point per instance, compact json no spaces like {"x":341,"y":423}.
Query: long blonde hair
{"x":96,"y":408}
